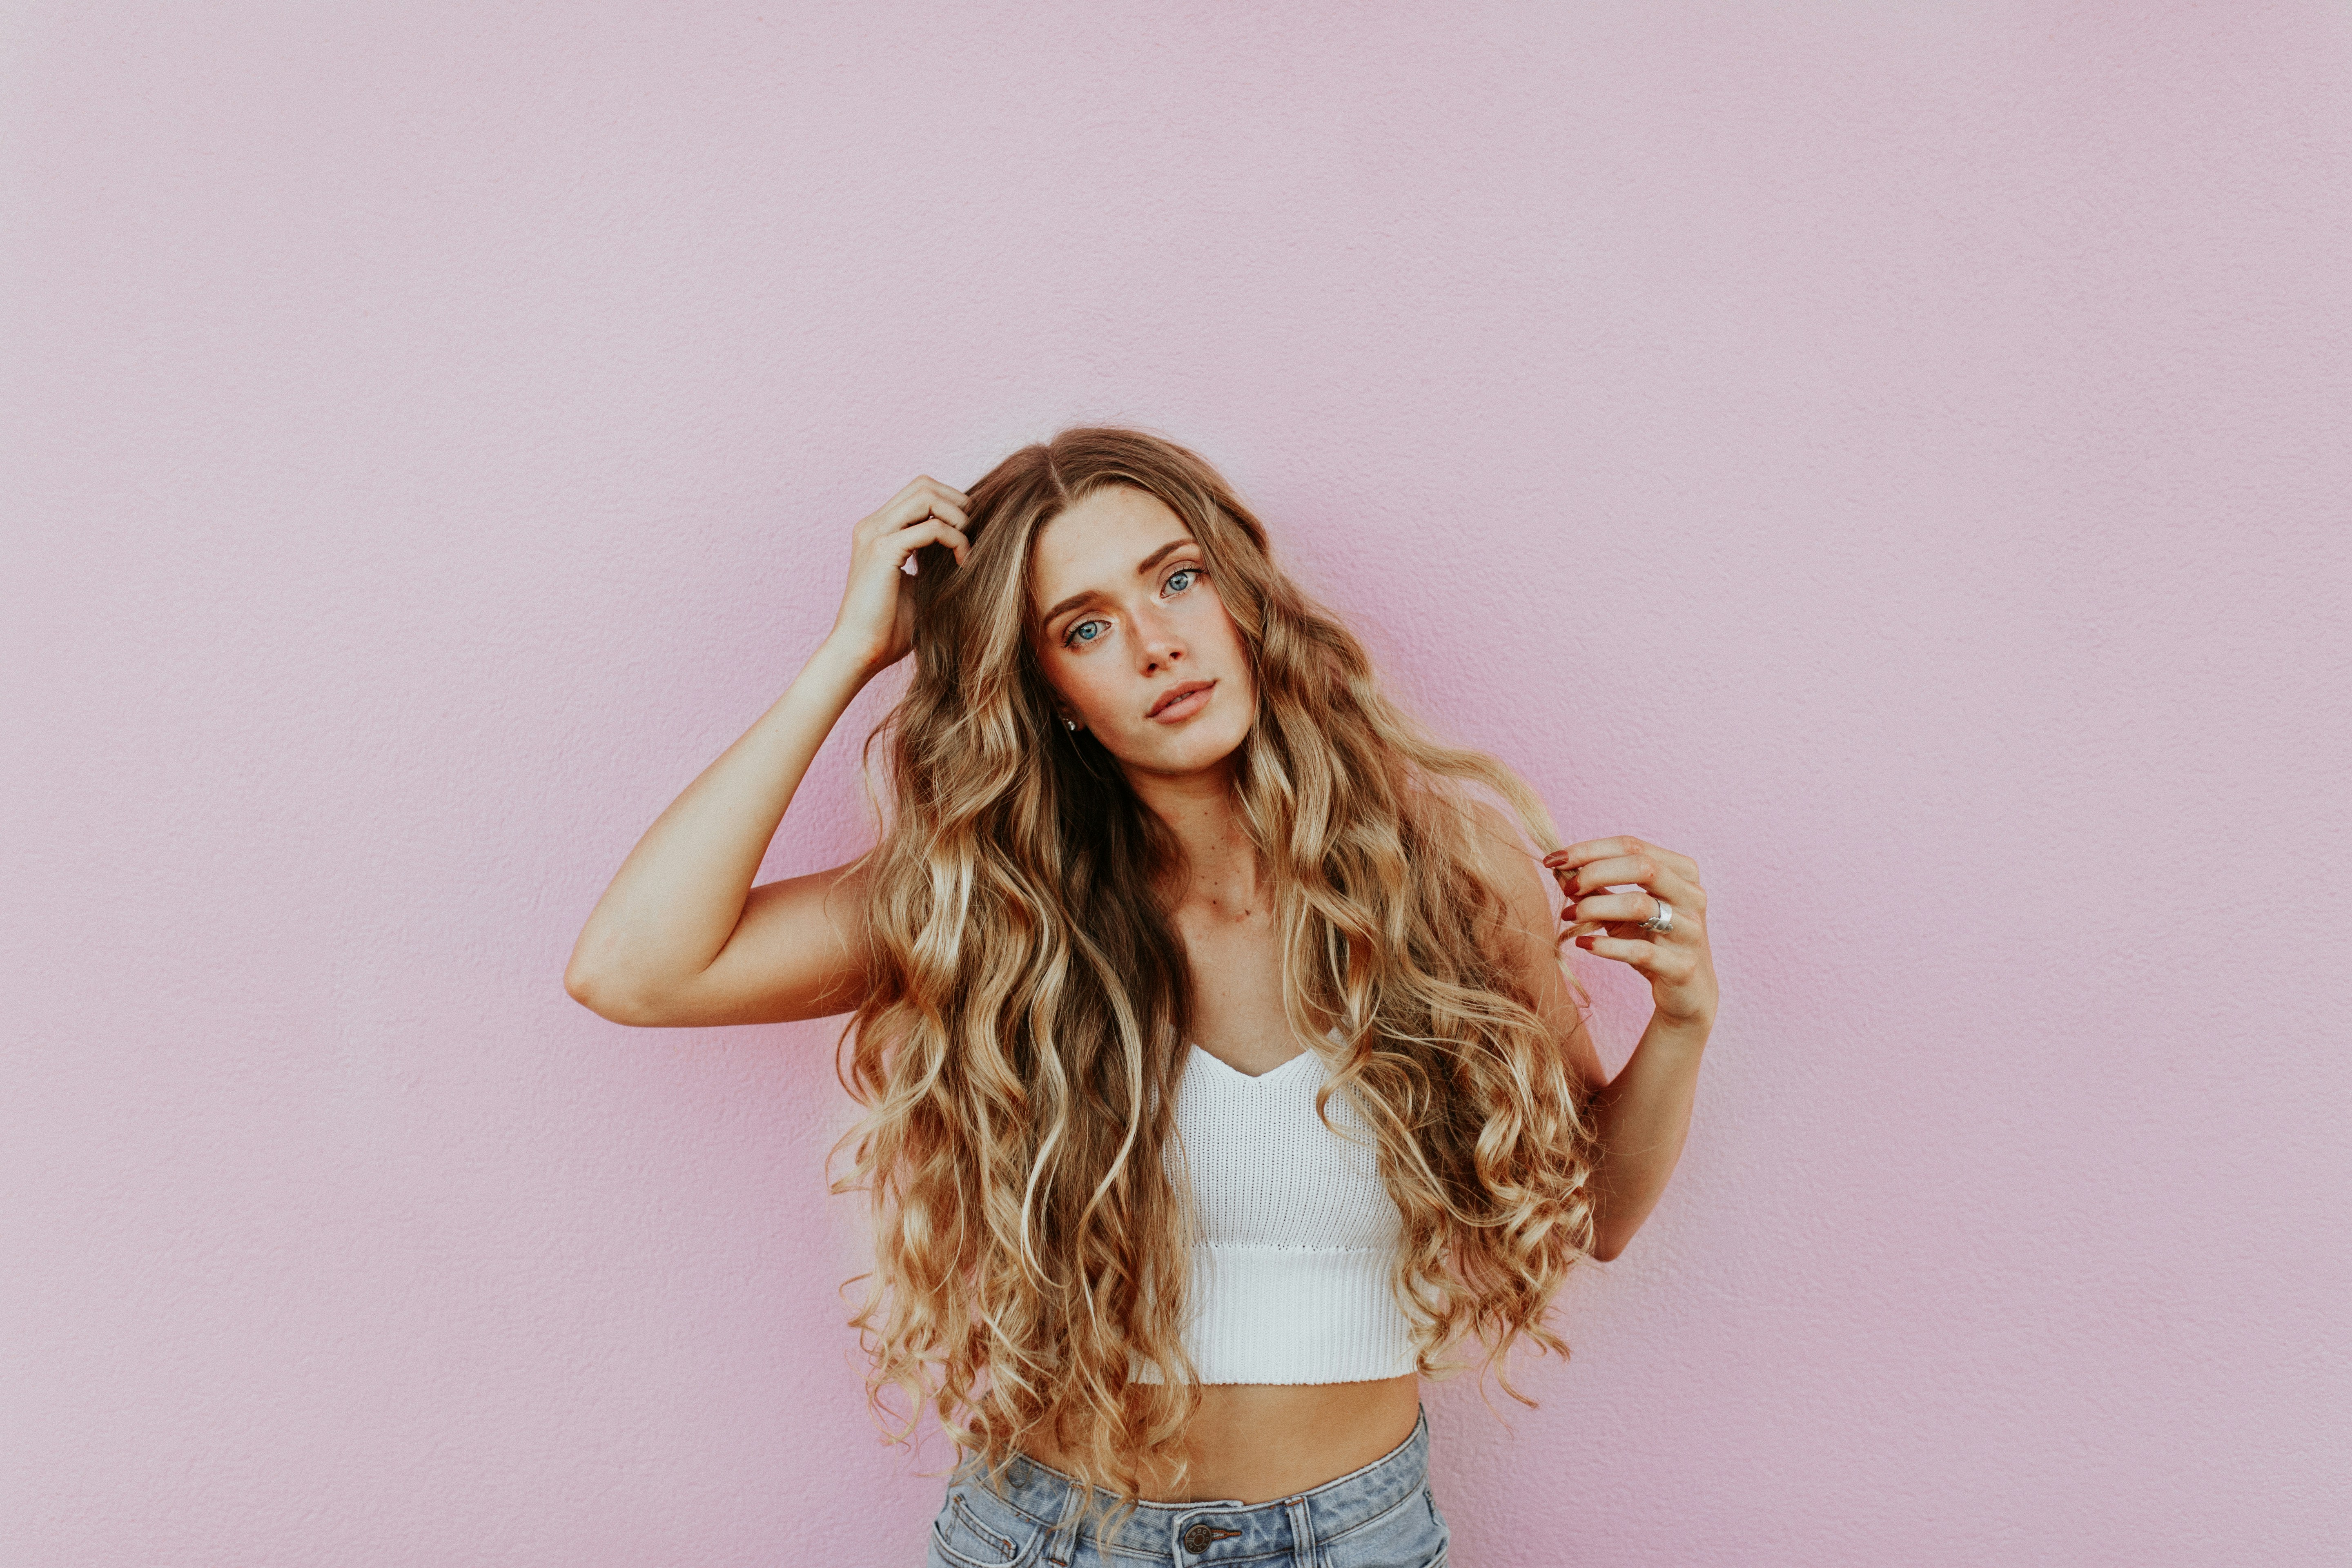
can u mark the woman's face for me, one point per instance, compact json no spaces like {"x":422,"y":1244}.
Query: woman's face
{"x":1133,"y":638}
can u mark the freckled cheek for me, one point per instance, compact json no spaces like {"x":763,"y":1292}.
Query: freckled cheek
{"x":1204,"y":621}
{"x":1227,"y":638}
{"x":1100,"y":699}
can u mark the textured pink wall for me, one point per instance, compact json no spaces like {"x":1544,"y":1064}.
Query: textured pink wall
{"x":1897,"y":454}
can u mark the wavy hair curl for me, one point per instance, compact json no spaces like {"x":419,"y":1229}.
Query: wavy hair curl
{"x":1017,"y":1052}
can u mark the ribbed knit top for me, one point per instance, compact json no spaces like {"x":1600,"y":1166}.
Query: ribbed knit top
{"x":1296,"y":1234}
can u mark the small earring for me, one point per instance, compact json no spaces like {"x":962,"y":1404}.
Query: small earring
{"x":1070,"y":724}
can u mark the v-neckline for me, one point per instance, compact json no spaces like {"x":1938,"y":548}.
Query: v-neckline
{"x":1251,"y":1077}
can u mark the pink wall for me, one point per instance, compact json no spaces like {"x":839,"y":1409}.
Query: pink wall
{"x":1898,"y":455}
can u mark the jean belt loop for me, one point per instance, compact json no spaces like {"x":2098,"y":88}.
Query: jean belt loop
{"x":1062,"y":1541}
{"x":1302,"y":1534}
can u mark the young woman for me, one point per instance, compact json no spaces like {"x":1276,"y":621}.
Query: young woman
{"x":1220,"y":1072}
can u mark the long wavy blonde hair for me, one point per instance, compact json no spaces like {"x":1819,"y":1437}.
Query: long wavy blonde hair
{"x":1017,"y":1052}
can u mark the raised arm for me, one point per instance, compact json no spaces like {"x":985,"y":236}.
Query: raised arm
{"x":1643,"y":1113}
{"x":681,"y":937}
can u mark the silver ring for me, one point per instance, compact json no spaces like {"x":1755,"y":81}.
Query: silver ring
{"x":1663,"y":920}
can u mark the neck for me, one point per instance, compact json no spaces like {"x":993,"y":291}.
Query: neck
{"x":1220,"y":869}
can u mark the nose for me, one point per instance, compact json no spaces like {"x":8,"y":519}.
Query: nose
{"x":1157,"y":643}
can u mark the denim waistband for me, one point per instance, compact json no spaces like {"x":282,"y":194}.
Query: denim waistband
{"x":1220,"y":1532}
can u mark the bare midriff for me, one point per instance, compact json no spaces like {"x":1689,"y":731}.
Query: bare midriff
{"x":1261,"y":1442}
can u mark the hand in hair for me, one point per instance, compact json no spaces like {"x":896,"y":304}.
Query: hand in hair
{"x":876,"y":622}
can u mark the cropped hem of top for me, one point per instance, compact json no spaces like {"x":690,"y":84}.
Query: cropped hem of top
{"x":1296,"y":1233}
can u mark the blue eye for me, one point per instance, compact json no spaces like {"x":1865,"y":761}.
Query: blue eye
{"x":1079,"y":634}
{"x":1074,"y":638}
{"x":1187,"y":573}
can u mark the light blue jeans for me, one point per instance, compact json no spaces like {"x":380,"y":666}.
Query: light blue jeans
{"x":1381,"y":1516}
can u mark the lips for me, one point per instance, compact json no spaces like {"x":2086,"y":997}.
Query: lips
{"x":1178,"y":693}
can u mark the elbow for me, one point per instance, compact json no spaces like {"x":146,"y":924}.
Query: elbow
{"x":599,"y":996}
{"x":581,"y":985}
{"x":1607,"y":1244}
{"x":583,"y":990}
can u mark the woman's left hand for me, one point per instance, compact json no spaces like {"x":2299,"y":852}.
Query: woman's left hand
{"x":1680,"y":967}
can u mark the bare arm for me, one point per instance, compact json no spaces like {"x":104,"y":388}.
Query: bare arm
{"x":1645,"y":1118}
{"x":681,"y":936}
{"x":1643,"y":1113}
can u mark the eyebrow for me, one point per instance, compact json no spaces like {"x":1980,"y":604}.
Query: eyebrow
{"x":1088,"y":594}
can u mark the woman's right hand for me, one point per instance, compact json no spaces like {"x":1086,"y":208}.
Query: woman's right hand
{"x":876,"y":622}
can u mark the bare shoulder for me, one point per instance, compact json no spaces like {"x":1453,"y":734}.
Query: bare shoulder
{"x":1512,"y":871}
{"x":1529,"y":934}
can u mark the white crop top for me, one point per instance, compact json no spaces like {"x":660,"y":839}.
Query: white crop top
{"x":1297,"y":1232}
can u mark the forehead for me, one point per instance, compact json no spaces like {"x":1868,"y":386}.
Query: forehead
{"x":1098,"y":543}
